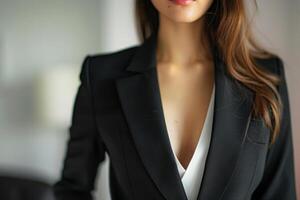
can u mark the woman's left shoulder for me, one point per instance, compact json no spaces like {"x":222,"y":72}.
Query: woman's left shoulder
{"x":273,"y":64}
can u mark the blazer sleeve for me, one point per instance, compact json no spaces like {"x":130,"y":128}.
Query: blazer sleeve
{"x":278,"y":181}
{"x":85,"y":149}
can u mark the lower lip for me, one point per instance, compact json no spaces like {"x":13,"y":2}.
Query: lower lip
{"x":182,"y":2}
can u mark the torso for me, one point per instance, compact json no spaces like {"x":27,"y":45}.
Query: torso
{"x":185,"y":95}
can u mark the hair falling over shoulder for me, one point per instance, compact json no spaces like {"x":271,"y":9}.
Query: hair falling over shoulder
{"x":229,"y":30}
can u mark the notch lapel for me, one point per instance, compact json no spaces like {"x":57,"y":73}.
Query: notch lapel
{"x":141,"y":103}
{"x":232,"y":115}
{"x":140,"y":100}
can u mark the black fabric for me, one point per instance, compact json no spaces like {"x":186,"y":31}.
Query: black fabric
{"x":118,"y":111}
{"x":18,"y":188}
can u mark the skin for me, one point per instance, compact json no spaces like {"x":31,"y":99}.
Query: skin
{"x":185,"y":73}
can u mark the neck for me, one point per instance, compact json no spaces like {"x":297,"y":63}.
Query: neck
{"x":181,"y":43}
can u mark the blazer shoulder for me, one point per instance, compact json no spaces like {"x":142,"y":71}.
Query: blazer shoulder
{"x":123,"y":52}
{"x":276,"y":66}
{"x":273,"y":64}
{"x":110,"y":63}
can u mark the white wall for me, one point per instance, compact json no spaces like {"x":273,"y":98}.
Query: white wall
{"x":117,"y":26}
{"x":39,"y":38}
{"x":37,"y":34}
{"x":36,"y":38}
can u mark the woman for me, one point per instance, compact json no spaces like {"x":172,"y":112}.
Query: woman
{"x":198,"y":111}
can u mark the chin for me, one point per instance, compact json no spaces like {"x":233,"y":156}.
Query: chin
{"x":182,"y":17}
{"x":182,"y":13}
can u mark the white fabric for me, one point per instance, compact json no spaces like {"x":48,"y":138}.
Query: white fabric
{"x":192,"y":177}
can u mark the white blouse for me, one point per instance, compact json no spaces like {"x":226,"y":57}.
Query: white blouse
{"x":192,"y":177}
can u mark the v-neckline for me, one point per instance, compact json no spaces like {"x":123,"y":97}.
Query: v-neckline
{"x":208,"y":116}
{"x":140,"y":102}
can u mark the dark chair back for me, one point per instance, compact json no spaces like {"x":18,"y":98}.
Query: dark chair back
{"x":16,"y":188}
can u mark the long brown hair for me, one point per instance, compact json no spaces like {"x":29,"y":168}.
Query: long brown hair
{"x":228,"y":29}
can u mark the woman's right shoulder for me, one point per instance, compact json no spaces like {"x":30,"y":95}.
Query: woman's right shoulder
{"x":110,"y":63}
{"x":112,"y":57}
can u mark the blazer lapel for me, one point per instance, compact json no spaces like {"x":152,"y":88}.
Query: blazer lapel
{"x":140,"y":100}
{"x":232,"y":116}
{"x":141,"y":103}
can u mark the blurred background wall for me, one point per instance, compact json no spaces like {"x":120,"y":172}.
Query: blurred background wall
{"x":42,"y":46}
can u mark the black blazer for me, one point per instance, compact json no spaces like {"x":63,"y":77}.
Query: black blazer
{"x":118,"y":110}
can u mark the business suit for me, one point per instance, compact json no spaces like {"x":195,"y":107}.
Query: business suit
{"x":118,"y":110}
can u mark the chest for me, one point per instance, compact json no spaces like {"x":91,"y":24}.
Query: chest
{"x":185,"y":98}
